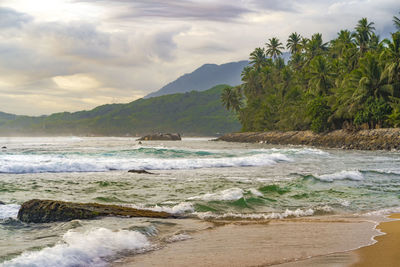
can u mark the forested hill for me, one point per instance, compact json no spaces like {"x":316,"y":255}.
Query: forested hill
{"x":205,"y":77}
{"x":351,"y":82}
{"x":193,"y":113}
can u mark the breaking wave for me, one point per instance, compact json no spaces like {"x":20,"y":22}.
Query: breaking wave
{"x":266,"y":216}
{"x":224,"y":195}
{"x":19,"y":164}
{"x":343,"y":175}
{"x":9,"y":211}
{"x":83,"y":249}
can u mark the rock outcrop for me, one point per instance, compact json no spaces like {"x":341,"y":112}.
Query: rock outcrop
{"x":44,"y":211}
{"x":140,"y":171}
{"x":377,"y":139}
{"x":161,"y":137}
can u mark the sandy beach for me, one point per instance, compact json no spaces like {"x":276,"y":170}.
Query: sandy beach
{"x":278,"y":242}
{"x":385,"y":252}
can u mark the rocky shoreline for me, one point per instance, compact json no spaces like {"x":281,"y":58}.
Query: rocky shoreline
{"x":376,"y":139}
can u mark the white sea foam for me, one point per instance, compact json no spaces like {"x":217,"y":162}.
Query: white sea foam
{"x":381,"y":212}
{"x":392,"y":171}
{"x":255,"y":192}
{"x":258,"y":216}
{"x":181,"y":208}
{"x":178,"y":237}
{"x":225,"y":195}
{"x":343,"y":175}
{"x":9,"y":211}
{"x":83,"y":249}
{"x":78,"y":163}
{"x":300,"y":151}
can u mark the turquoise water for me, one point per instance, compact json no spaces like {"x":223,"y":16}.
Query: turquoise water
{"x":196,"y":178}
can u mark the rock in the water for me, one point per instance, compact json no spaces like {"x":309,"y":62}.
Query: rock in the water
{"x":44,"y":211}
{"x":140,"y":171}
{"x":162,"y":137}
{"x":4,"y":147}
{"x":2,"y":203}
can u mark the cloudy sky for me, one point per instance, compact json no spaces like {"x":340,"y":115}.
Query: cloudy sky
{"x":69,"y":55}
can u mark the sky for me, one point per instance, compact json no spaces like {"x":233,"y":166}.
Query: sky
{"x":70,"y":55}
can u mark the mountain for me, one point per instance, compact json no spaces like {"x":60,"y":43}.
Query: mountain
{"x":7,"y":116}
{"x":205,"y":77}
{"x":191,"y":113}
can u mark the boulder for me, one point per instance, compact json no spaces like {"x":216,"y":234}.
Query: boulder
{"x":161,"y":137}
{"x":2,"y":203}
{"x":44,"y":211}
{"x":140,"y":171}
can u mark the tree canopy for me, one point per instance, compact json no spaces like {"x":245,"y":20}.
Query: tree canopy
{"x":352,"y":81}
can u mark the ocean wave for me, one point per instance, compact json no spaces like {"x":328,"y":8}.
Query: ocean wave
{"x":180,"y":208}
{"x":300,"y":151}
{"x":255,"y":192}
{"x":9,"y":211}
{"x":343,"y":175}
{"x":224,"y":195}
{"x":19,"y":164}
{"x":266,"y":216}
{"x":380,"y":171}
{"x":83,"y":249}
{"x":385,"y":211}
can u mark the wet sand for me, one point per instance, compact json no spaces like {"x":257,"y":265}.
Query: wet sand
{"x":264,"y":244}
{"x":386,"y":251}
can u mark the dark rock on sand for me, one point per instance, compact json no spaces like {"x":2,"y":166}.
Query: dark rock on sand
{"x":161,"y":137}
{"x":377,"y":139}
{"x":44,"y":211}
{"x":140,"y":171}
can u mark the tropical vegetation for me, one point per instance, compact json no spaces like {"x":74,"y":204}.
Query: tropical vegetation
{"x":352,"y":82}
{"x":191,"y":113}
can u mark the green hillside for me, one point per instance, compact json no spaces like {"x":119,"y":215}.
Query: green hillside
{"x":193,"y":113}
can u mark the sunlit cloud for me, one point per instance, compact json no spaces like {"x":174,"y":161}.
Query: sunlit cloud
{"x":68,"y":55}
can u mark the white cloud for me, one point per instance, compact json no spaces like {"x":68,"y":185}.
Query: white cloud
{"x":58,"y":55}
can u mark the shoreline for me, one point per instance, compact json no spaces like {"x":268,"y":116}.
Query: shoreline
{"x":384,"y":252}
{"x":288,"y":242}
{"x":376,"y":139}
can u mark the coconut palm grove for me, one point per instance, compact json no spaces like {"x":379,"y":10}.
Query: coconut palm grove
{"x":351,"y":82}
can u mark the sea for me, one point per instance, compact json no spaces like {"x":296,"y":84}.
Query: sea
{"x":196,"y":179}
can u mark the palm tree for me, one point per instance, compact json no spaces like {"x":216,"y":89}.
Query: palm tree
{"x":396,"y":22}
{"x":364,"y":30}
{"x":231,"y":99}
{"x":321,"y":75}
{"x":274,"y":48}
{"x":315,"y":46}
{"x":341,"y":43}
{"x":374,"y":42}
{"x":293,"y":43}
{"x":252,"y":84}
{"x":392,"y":67}
{"x":370,"y":82}
{"x":257,"y":58}
{"x":303,"y":43}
